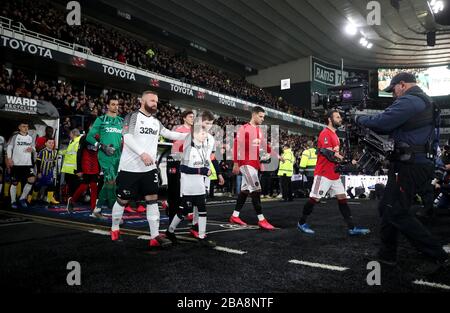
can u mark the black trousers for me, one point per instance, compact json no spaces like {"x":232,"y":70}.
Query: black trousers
{"x":173,"y":187}
{"x":72,"y":181}
{"x":427,"y":196}
{"x":266,"y":184}
{"x":286,"y":187}
{"x":309,"y":183}
{"x":396,"y":216}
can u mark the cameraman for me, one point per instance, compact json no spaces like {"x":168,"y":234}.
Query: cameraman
{"x":410,"y":121}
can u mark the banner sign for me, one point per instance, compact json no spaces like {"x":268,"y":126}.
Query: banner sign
{"x":133,"y":75}
{"x":27,"y":106}
{"x":328,"y":76}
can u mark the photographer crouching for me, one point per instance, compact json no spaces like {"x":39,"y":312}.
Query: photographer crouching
{"x":411,"y":121}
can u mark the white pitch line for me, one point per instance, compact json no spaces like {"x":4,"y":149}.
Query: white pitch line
{"x":434,"y":285}
{"x":318,"y":265}
{"x":13,"y":224}
{"x":100,"y":232}
{"x":228,"y":250}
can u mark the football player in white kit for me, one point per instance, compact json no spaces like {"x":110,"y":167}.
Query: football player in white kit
{"x":138,"y":175}
{"x":19,"y":160}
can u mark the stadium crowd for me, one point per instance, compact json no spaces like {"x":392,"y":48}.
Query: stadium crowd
{"x":44,"y":18}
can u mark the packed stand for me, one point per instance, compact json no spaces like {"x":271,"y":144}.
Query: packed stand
{"x":42,"y":17}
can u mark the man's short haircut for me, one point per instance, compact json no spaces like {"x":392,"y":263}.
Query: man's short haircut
{"x":115,"y":98}
{"x":207,"y":116}
{"x":257,"y":109}
{"x":329,"y":114}
{"x":149,"y":92}
{"x":186,"y":113}
{"x":23,"y":122}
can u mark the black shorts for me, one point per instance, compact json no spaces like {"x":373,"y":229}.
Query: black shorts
{"x":189,"y":202}
{"x":21,"y":173}
{"x":137,"y":185}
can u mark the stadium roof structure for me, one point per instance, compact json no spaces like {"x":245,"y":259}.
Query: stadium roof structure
{"x":265,"y":33}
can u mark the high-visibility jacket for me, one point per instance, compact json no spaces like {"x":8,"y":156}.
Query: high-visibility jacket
{"x":213,"y":175}
{"x":308,"y":161}
{"x":286,"y":168}
{"x":70,"y":156}
{"x":150,"y":53}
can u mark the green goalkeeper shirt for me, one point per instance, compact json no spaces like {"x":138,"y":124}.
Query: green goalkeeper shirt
{"x":107,"y":130}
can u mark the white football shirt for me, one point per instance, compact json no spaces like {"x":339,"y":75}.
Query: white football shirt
{"x":141,"y":134}
{"x":16,"y":149}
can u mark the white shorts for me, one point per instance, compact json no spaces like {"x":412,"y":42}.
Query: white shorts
{"x":322,"y":185}
{"x":250,"y":179}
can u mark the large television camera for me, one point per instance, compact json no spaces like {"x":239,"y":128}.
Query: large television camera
{"x":374,"y":149}
{"x":353,"y":94}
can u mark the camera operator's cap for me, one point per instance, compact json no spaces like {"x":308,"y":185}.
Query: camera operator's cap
{"x":403,"y":76}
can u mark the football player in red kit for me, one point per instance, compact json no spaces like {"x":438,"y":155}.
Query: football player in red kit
{"x":326,"y":179}
{"x":247,"y":144}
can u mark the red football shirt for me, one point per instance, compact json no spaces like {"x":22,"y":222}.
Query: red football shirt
{"x":89,"y":162}
{"x":247,"y":144}
{"x":327,"y":139}
{"x":40,"y":143}
{"x":177,"y":145}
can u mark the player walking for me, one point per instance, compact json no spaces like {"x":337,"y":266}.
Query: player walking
{"x":326,"y":179}
{"x":138,"y":175}
{"x":106,"y":134}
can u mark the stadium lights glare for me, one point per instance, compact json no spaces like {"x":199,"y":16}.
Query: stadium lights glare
{"x":363,"y":41}
{"x":351,"y":29}
{"x":436,"y":6}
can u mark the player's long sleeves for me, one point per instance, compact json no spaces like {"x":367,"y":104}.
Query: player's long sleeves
{"x":131,"y":143}
{"x":218,"y":168}
{"x":172,"y":135}
{"x":194,"y":170}
{"x":95,"y":129}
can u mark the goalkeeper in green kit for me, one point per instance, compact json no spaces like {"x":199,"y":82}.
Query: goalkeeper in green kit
{"x":106,"y":135}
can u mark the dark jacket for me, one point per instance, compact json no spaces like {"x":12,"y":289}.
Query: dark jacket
{"x":391,"y":121}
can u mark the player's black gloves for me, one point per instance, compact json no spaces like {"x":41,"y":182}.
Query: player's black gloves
{"x":107,"y":149}
{"x":91,"y":147}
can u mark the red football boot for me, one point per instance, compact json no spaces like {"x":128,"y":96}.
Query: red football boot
{"x":237,"y":220}
{"x":264,"y":224}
